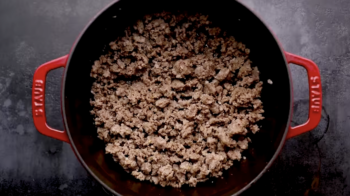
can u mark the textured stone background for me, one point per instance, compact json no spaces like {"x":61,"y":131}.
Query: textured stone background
{"x":33,"y":32}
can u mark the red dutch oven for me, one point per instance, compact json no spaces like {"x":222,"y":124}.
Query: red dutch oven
{"x":231,"y":16}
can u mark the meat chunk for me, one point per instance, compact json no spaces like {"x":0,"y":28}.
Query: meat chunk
{"x":234,"y":154}
{"x":207,"y":99}
{"x":182,"y":68}
{"x":122,"y":130}
{"x":138,"y":175}
{"x":166,"y":172}
{"x":160,"y":143}
{"x":162,"y":103}
{"x":177,"y":85}
{"x":103,"y":134}
{"x":237,"y":126}
{"x":146,"y":168}
{"x":222,"y":74}
{"x":191,"y":111}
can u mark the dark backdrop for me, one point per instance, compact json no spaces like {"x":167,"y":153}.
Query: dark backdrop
{"x":33,"y":32}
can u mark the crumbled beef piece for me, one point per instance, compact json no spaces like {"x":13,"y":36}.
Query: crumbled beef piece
{"x":222,"y":74}
{"x":237,"y":126}
{"x":103,"y":134}
{"x":162,"y":103}
{"x":234,"y":154}
{"x":209,"y":88}
{"x":254,"y":128}
{"x":243,"y":144}
{"x":138,"y":175}
{"x":160,"y":143}
{"x":121,"y":130}
{"x":182,"y":68}
{"x":170,"y":97}
{"x":207,"y":99}
{"x":146,"y":168}
{"x":166,"y":172}
{"x":149,"y":127}
{"x":215,"y":108}
{"x":177,"y":85}
{"x":192,"y":182}
{"x":191,"y":111}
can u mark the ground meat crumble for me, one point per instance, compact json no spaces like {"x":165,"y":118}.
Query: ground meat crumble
{"x":175,"y":98}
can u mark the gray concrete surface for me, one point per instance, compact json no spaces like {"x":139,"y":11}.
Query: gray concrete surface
{"x":33,"y":32}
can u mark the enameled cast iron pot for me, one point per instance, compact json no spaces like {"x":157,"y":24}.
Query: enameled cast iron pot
{"x":237,"y":20}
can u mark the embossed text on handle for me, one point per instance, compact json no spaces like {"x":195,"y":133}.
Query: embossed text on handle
{"x":38,"y":98}
{"x":315,"y":94}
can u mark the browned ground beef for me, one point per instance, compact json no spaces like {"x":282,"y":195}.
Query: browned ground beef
{"x":175,"y":99}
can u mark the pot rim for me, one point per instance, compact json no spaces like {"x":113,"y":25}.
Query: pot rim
{"x":71,"y":52}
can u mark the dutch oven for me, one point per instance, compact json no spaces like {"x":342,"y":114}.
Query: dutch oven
{"x":266,"y":53}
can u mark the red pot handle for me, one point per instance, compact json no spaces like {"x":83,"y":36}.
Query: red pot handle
{"x":315,"y":95}
{"x":38,"y":99}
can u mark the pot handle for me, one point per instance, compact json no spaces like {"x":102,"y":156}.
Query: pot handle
{"x":315,"y":95}
{"x":38,"y":99}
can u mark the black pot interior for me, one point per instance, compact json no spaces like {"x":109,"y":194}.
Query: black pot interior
{"x":230,"y":16}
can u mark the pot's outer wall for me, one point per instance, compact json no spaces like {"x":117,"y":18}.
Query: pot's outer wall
{"x":230,"y":16}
